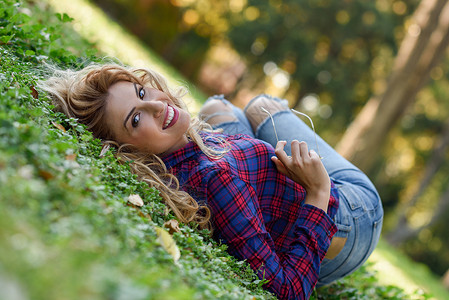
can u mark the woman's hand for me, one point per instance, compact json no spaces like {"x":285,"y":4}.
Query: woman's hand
{"x":305,"y":168}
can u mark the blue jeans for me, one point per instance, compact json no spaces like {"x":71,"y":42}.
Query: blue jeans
{"x":360,"y":213}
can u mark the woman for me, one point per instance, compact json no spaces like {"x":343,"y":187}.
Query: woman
{"x":279,"y":209}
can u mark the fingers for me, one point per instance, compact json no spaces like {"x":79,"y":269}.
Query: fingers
{"x":300,"y":152}
{"x":314,"y":155}
{"x":279,"y":165}
{"x":280,"y":153}
{"x":303,"y":167}
{"x":304,"y":150}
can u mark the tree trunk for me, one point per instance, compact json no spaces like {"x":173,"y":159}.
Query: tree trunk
{"x":422,"y":48}
{"x":446,"y":280}
{"x":406,"y":232}
{"x":402,"y":230}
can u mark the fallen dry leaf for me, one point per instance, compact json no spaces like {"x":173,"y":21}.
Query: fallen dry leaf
{"x":136,"y":200}
{"x":172,"y":226}
{"x":139,"y":211}
{"x":166,"y":210}
{"x":104,"y":149}
{"x":45,"y":174}
{"x":168,"y":243}
{"x":34,"y":93}
{"x":71,"y":157}
{"x":59,"y":126}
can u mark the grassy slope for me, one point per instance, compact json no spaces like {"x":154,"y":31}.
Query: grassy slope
{"x":395,"y":268}
{"x":65,"y":231}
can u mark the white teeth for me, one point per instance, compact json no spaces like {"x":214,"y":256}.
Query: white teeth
{"x":171,"y":114}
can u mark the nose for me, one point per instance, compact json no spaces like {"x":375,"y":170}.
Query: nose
{"x":155,"y":107}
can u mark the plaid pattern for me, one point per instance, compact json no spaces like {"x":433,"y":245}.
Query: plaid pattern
{"x":258,"y":212}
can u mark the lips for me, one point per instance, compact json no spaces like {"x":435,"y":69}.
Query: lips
{"x":171,"y":116}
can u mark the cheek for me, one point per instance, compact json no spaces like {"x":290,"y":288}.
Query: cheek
{"x":185,"y":119}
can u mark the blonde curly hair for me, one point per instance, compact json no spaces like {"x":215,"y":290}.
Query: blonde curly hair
{"x":83,"y":94}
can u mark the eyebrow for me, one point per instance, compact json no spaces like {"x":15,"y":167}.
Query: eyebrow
{"x":135,"y":88}
{"x":132,"y":110}
{"x":127,"y":117}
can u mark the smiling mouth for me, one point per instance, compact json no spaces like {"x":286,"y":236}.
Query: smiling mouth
{"x":171,"y":116}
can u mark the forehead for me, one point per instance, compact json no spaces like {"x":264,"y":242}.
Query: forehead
{"x":119,"y":94}
{"x":121,"y":89}
{"x":120,"y":101}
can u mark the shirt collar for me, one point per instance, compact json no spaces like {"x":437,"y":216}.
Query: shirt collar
{"x":188,"y":151}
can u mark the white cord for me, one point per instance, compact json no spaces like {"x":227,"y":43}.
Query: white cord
{"x":300,"y":113}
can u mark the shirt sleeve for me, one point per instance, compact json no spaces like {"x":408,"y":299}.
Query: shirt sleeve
{"x":238,"y":223}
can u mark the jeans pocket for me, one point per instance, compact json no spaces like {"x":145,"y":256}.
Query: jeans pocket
{"x":363,"y":236}
{"x":377,"y":229}
{"x":360,"y":253}
{"x":343,"y":221}
{"x":349,"y":192}
{"x":344,"y":226}
{"x":360,"y":196}
{"x":343,"y":230}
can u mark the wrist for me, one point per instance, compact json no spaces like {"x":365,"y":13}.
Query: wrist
{"x":318,"y":198}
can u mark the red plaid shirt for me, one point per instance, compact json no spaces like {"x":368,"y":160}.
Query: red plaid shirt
{"x":258,"y":212}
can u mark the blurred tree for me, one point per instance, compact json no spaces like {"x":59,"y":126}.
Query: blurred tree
{"x":324,"y":49}
{"x":422,"y":48}
{"x":403,"y":230}
{"x":165,"y":28}
{"x":446,"y":279}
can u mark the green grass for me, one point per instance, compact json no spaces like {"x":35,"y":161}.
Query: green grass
{"x":395,"y":268}
{"x":66,"y":230}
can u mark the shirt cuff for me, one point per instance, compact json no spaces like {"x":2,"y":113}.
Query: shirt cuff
{"x":318,"y":222}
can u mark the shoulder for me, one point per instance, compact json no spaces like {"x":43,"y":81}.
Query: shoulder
{"x":245,"y":155}
{"x":246,"y":146}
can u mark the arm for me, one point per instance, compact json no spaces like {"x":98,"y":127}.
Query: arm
{"x":238,"y":222}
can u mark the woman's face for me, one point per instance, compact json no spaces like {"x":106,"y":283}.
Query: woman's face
{"x":146,"y":118}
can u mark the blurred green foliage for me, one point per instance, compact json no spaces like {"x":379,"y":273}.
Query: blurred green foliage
{"x":326,"y":47}
{"x":159,"y":24}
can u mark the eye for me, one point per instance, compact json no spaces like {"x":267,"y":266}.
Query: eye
{"x":135,"y":120}
{"x":141,"y":93}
